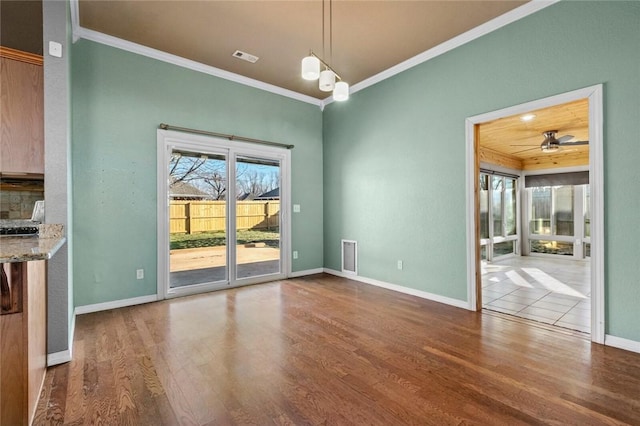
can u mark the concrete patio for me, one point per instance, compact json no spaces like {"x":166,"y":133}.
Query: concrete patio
{"x":208,"y":264}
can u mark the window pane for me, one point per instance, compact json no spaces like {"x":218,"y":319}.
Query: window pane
{"x":197,"y":218}
{"x":587,"y":250}
{"x":563,"y":210}
{"x":257,"y":217}
{"x":497,"y":183}
{"x":510,"y":206}
{"x":484,"y":205}
{"x":483,"y":252}
{"x":540,"y":221}
{"x":500,"y":249}
{"x":552,"y":247}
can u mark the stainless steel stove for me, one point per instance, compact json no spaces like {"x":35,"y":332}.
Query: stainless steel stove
{"x":20,"y":231}
{"x":18,"y":228}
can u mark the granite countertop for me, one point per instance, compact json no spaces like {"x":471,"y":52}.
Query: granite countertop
{"x":25,"y":249}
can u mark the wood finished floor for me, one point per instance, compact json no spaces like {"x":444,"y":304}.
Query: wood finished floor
{"x":323,"y":350}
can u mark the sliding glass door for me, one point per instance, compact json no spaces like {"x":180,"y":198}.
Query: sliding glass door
{"x":221,"y":214}
{"x":257,"y":217}
{"x":197,"y":218}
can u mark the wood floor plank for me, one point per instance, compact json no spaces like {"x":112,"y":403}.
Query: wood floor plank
{"x":76,"y":402}
{"x":323,"y":350}
{"x":45,"y":394}
{"x":57,"y":395}
{"x":177,"y":399}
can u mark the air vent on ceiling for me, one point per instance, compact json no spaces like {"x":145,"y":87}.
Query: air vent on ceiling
{"x":245,"y":56}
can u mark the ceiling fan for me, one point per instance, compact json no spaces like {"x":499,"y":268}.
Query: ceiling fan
{"x":551,"y":143}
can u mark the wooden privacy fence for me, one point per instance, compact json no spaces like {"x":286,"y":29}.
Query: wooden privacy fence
{"x":189,"y":217}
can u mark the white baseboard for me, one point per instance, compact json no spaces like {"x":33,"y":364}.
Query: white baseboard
{"x":86,"y":309}
{"x":306,"y":272}
{"x":419,"y":293}
{"x":64,"y":356}
{"x":621,"y":343}
{"x":58,"y":357}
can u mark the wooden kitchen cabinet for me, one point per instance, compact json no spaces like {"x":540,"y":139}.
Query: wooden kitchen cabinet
{"x":22,"y":340}
{"x":21,"y":112}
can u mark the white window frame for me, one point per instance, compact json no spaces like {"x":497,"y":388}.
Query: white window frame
{"x":577,"y":239}
{"x":496,"y":239}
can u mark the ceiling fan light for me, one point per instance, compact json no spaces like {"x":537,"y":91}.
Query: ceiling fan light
{"x":341,"y":91}
{"x":310,"y":68}
{"x":327,"y":80}
{"x":549,"y":147}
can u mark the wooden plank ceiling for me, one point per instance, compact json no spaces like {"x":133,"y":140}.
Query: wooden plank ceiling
{"x":514,"y":143}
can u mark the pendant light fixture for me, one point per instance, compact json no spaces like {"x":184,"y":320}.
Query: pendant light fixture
{"x":327,"y":78}
{"x":310,"y":68}
{"x":341,"y":91}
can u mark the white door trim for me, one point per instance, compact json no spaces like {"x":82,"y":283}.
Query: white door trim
{"x":596,"y":182}
{"x":166,"y":141}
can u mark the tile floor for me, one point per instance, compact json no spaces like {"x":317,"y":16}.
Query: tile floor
{"x":552,"y":291}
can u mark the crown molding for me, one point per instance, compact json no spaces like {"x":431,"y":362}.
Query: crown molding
{"x":496,"y":23}
{"x":79,"y":32}
{"x":523,"y":11}
{"x":189,"y":64}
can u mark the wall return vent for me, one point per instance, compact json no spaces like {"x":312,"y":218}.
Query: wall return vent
{"x":349,"y":257}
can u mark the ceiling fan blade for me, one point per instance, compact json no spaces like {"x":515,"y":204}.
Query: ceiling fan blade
{"x":565,"y":138}
{"x":525,"y":150}
{"x":575,"y":143}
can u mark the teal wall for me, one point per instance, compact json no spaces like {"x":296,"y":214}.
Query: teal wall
{"x":390,"y":162}
{"x":394,"y":154}
{"x":119,"y":99}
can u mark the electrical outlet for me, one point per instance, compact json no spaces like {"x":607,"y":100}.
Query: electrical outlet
{"x":399,"y":265}
{"x":140,"y":274}
{"x":296,"y":208}
{"x":295,"y":254}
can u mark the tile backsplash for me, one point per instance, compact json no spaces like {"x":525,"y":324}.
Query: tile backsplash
{"x":18,"y":204}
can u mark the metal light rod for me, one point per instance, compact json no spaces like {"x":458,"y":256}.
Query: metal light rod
{"x":325,"y":64}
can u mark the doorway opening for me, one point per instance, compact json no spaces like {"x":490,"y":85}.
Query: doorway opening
{"x":540,"y":270}
{"x":221,"y":213}
{"x":534,"y":198}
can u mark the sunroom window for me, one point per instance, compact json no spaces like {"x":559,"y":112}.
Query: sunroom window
{"x":558,"y":211}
